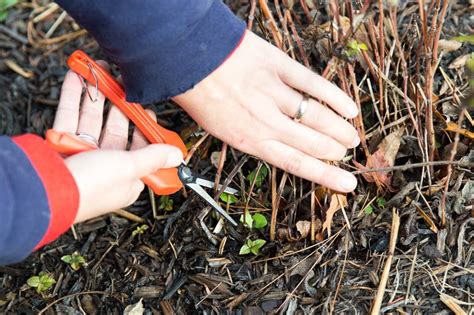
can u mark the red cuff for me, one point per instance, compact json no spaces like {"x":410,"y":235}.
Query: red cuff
{"x":60,"y":187}
{"x":235,"y":48}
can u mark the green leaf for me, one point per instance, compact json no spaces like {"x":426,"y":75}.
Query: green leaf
{"x":257,"y":244}
{"x":166,"y":203}
{"x":248,"y":220}
{"x":368,"y":210}
{"x":381,"y":202}
{"x":260,"y":221}
{"x":41,"y":282}
{"x":47,"y":281}
{"x":140,"y":229}
{"x":67,"y":259}
{"x":260,"y":177}
{"x":5,"y":4}
{"x":33,"y":281}
{"x":3,"y":15}
{"x":354,"y":47}
{"x":244,"y":250}
{"x":228,"y":198}
{"x":464,"y":39}
{"x":75,"y":260}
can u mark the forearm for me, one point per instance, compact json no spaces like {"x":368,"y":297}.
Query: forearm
{"x":38,"y":196}
{"x":163,"y":48}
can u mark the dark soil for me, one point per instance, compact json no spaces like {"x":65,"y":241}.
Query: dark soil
{"x":181,"y":265}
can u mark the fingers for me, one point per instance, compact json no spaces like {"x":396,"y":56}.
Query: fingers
{"x":309,"y":141}
{"x":153,"y":157}
{"x":318,"y":117}
{"x":67,"y":113}
{"x":299,"y":77}
{"x":91,"y":115}
{"x":138,"y":139}
{"x":92,"y":110}
{"x":305,"y":166}
{"x":115,"y":132}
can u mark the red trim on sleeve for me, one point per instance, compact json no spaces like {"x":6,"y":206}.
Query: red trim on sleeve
{"x":61,"y":189}
{"x":235,"y":48}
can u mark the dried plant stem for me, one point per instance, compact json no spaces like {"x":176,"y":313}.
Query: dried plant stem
{"x":253,"y":6}
{"x":220,"y":166}
{"x":297,"y":38}
{"x":388,"y":263}
{"x":313,"y":212}
{"x":450,"y":169}
{"x":274,"y":205}
{"x":271,"y":21}
{"x":414,"y":165}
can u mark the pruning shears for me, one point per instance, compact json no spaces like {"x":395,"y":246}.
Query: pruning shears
{"x":164,"y":181}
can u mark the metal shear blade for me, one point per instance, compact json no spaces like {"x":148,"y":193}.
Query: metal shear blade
{"x":195,"y":182}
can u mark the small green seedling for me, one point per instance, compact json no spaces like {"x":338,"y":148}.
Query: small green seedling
{"x":252,"y":247}
{"x":228,"y":198}
{"x":354,"y":48}
{"x":464,"y":39}
{"x":166,"y":203}
{"x":381,"y":202}
{"x":5,"y":5}
{"x":41,"y":282}
{"x":259,"y":178}
{"x":140,"y":230}
{"x":74,"y":260}
{"x":368,"y":210}
{"x":257,"y":220}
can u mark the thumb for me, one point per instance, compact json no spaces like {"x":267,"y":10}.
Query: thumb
{"x":153,"y":157}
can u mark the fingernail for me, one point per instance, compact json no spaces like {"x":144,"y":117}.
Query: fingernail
{"x":356,"y":141}
{"x":353,"y":111}
{"x":175,"y":157}
{"x":348,"y":182}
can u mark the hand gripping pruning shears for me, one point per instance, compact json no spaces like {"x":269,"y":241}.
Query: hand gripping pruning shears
{"x":164,"y":181}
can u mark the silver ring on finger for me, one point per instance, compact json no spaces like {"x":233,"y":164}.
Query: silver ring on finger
{"x":301,"y":109}
{"x":88,"y":138}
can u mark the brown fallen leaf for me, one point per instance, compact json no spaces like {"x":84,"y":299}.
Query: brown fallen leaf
{"x":449,"y":45}
{"x":337,"y":202}
{"x":383,"y":157}
{"x":459,"y":62}
{"x":304,"y":227}
{"x":453,"y":127}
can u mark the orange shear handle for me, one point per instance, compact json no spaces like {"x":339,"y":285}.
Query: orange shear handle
{"x":164,"y":181}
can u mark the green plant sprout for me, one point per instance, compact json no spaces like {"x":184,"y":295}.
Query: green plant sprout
{"x":257,"y":220}
{"x":5,"y":5}
{"x":41,"y":282}
{"x":381,"y":202}
{"x":354,"y":48}
{"x":228,"y":198}
{"x":368,"y":210}
{"x":252,"y":247}
{"x":75,"y":260}
{"x":166,"y":203}
{"x":140,"y":230}
{"x":259,"y":178}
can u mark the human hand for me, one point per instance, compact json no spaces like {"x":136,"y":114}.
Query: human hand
{"x":107,"y":179}
{"x":249,"y":102}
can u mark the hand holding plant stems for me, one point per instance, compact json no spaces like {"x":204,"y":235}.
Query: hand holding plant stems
{"x":250,"y":100}
{"x":107,"y":179}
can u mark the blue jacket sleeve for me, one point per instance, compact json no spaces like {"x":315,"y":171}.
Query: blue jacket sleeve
{"x":23,"y":204}
{"x":163,"y":47}
{"x":38,"y":196}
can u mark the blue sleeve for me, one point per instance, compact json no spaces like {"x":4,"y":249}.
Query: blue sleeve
{"x":38,"y":196}
{"x":24,"y":210}
{"x":163,"y":47}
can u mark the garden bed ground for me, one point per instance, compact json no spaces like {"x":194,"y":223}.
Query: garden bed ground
{"x":413,"y":92}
